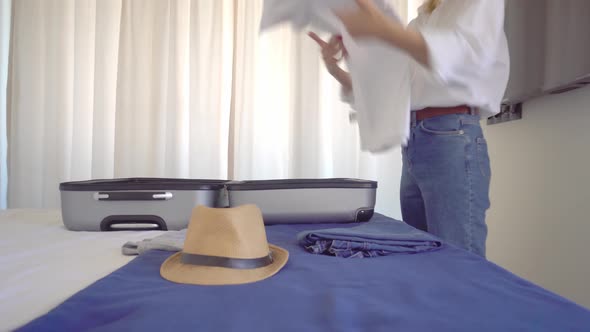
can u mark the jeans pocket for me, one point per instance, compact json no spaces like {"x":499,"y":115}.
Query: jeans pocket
{"x":483,"y":158}
{"x":432,"y":131}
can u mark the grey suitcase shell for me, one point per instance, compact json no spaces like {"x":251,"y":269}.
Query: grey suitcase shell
{"x":136,"y":203}
{"x":307,"y":200}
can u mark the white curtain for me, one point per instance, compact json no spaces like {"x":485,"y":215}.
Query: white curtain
{"x":5,"y":15}
{"x":174,"y":88}
{"x":289,"y":120}
{"x":116,"y":88}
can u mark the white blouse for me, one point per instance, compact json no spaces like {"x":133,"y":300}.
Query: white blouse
{"x":468,"y":54}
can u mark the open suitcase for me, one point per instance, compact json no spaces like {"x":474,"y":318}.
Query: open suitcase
{"x":307,"y":200}
{"x":136,"y":203}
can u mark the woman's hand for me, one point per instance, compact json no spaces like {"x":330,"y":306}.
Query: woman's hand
{"x":333,"y":52}
{"x":330,"y":51}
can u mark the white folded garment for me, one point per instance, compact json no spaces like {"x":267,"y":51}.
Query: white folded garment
{"x":380,"y":73}
{"x":169,"y":241}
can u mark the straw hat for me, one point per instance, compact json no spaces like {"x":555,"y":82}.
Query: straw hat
{"x":225,"y":246}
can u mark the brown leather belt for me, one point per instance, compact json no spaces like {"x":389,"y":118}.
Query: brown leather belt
{"x":431,"y":112}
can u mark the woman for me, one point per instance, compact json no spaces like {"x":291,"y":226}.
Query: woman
{"x":459,"y":77}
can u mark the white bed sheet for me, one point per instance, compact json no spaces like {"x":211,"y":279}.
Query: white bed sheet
{"x":42,"y":263}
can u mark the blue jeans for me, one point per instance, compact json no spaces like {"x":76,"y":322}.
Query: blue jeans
{"x":445,"y":180}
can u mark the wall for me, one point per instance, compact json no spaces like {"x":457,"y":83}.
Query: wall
{"x":539,"y":222}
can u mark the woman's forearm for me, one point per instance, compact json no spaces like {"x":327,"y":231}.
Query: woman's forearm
{"x":408,"y":40}
{"x":344,"y":78}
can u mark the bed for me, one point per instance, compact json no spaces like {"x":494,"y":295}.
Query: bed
{"x":37,"y":259}
{"x":53,"y":279}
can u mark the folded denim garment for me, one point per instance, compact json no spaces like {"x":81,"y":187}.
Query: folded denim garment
{"x":378,"y":237}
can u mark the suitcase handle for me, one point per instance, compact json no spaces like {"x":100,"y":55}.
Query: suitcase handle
{"x":115,"y":223}
{"x":133,"y":196}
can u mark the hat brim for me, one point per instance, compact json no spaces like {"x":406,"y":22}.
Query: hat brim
{"x":174,"y":270}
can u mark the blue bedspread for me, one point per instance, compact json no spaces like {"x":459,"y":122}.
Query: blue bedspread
{"x":443,"y":290}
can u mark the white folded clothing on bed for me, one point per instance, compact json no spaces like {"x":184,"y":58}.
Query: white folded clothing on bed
{"x":169,"y":241}
{"x":380,"y":73}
